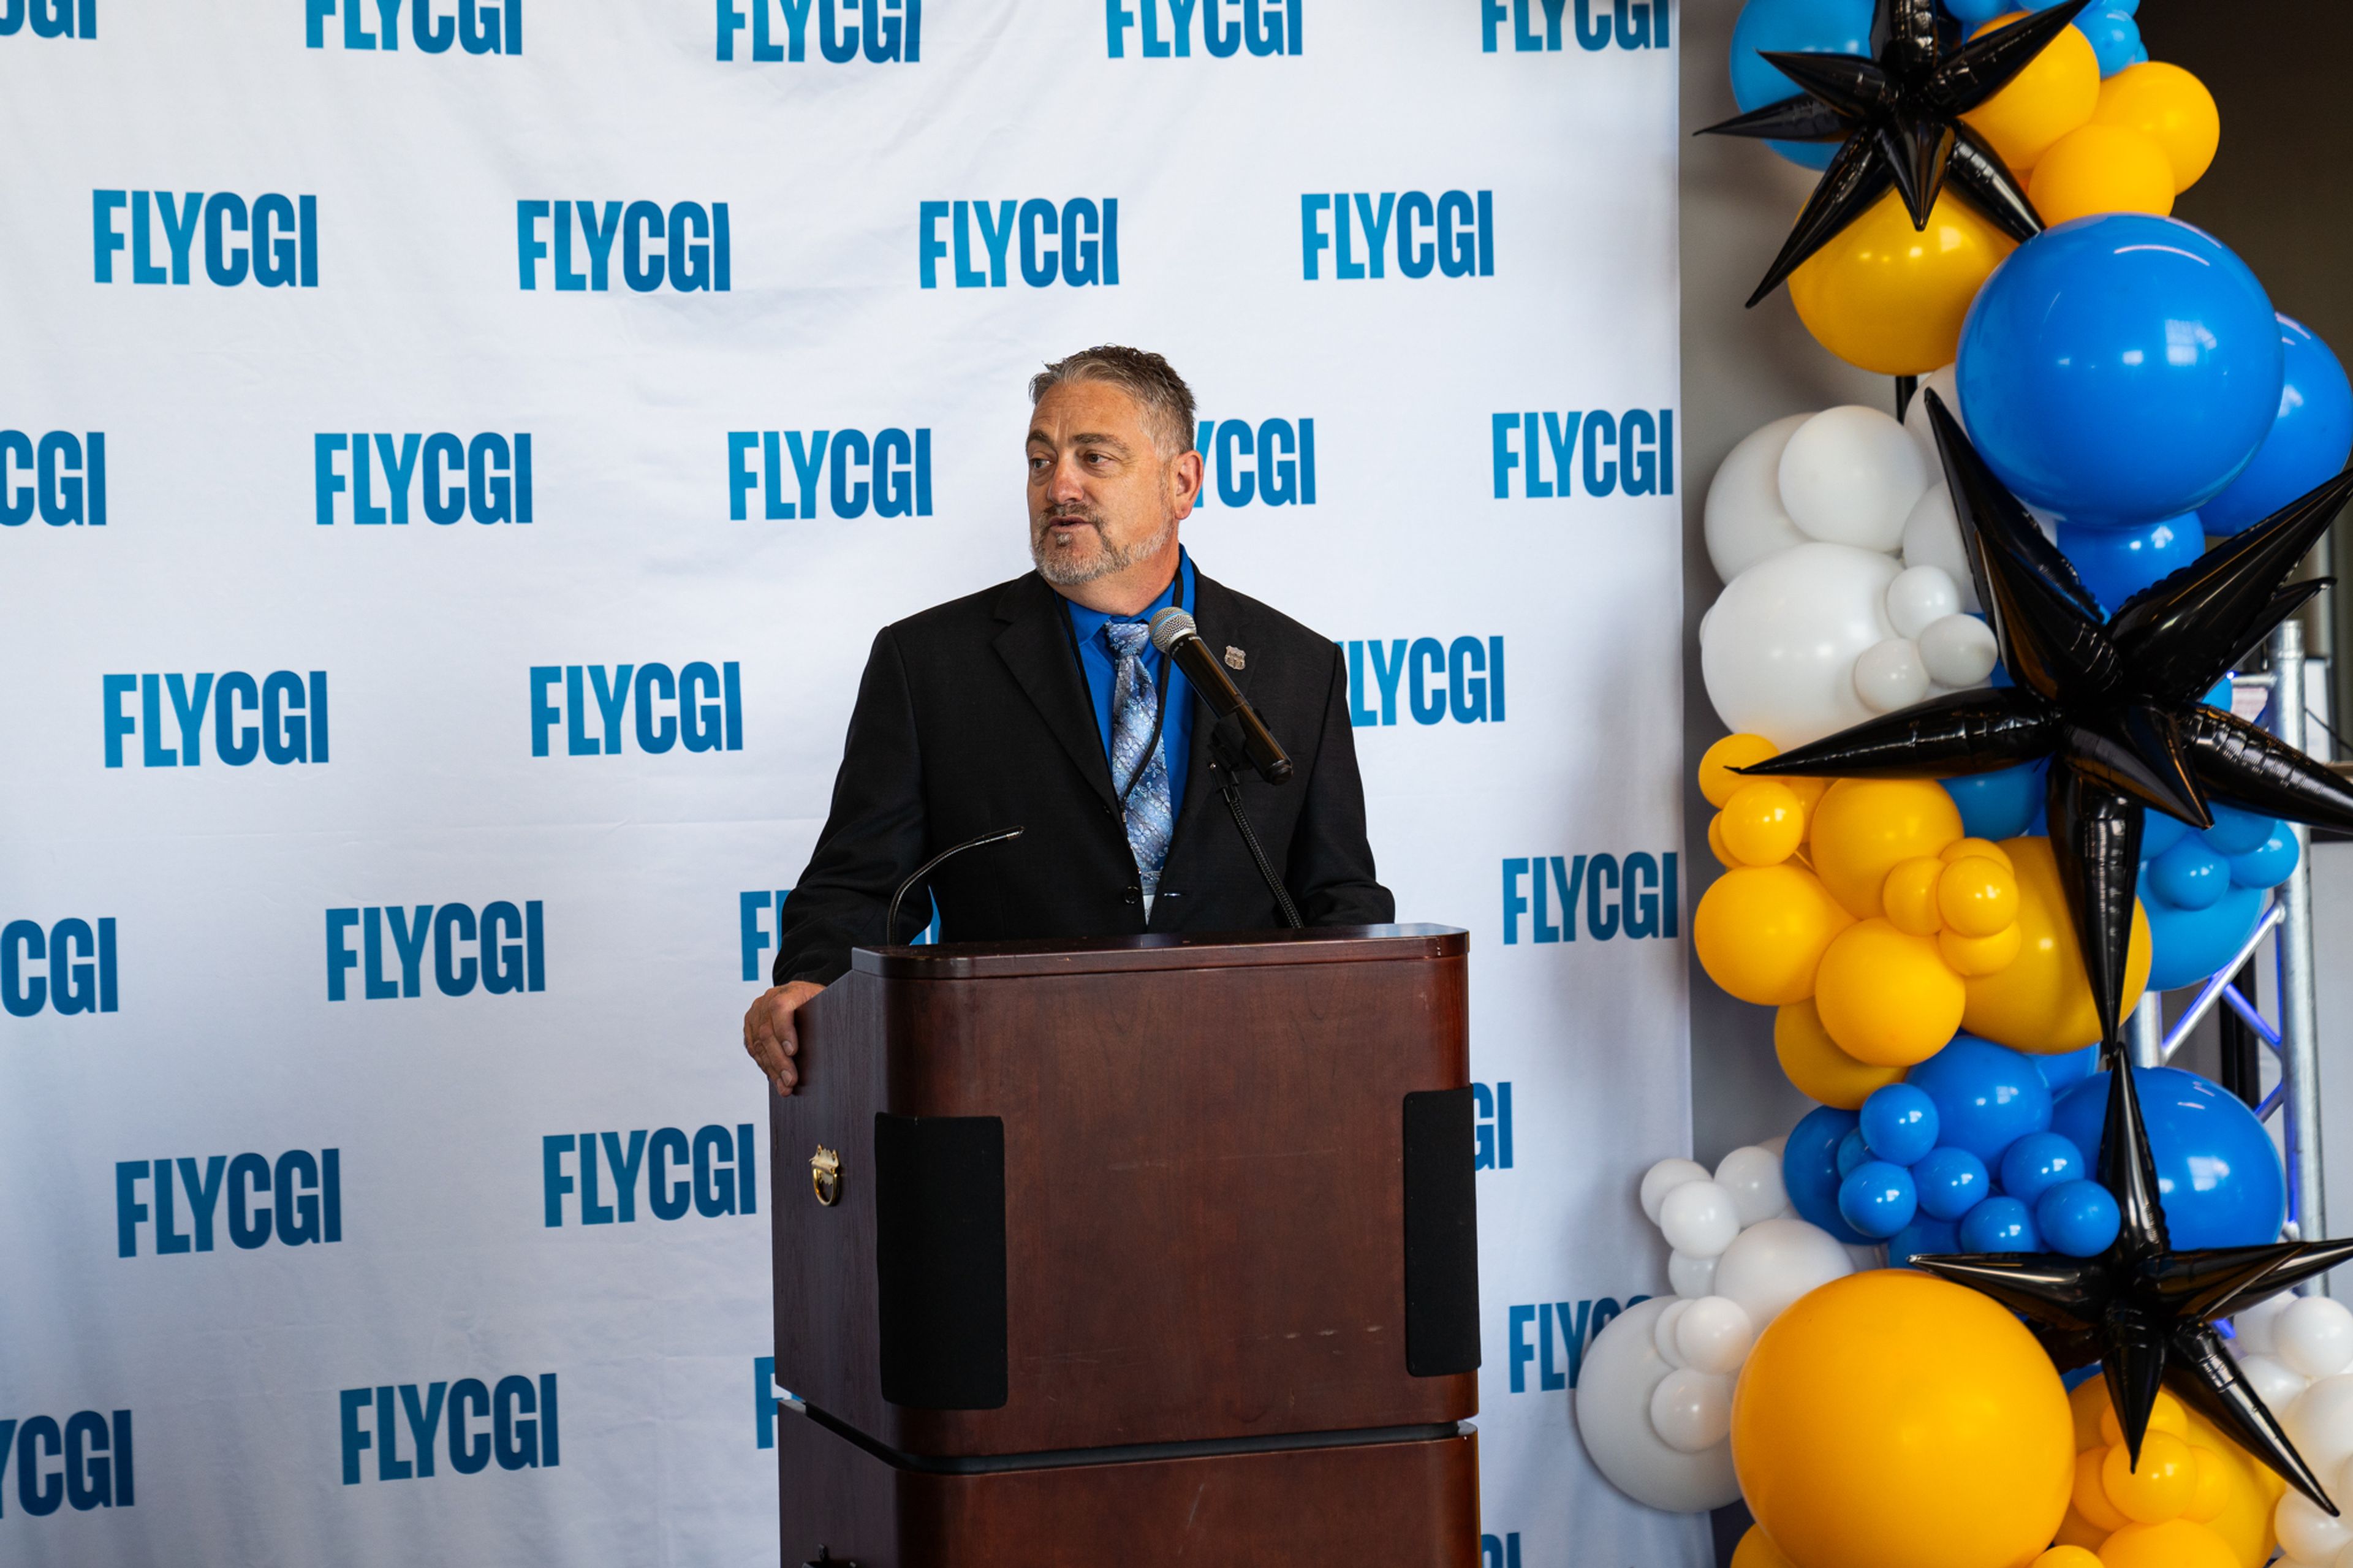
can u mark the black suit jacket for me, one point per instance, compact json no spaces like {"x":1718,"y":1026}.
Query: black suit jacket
{"x":973,"y":716}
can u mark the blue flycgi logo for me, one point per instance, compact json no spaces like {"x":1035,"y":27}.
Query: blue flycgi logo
{"x":50,"y":19}
{"x":478,"y":27}
{"x":502,"y":950}
{"x":274,"y":242}
{"x":58,"y":473}
{"x":280,"y":717}
{"x":890,"y":471}
{"x":1272,"y":463}
{"x":1598,"y":24}
{"x":882,"y":31}
{"x":1462,"y":679}
{"x":1632,"y":453}
{"x":686,"y":246}
{"x":1166,"y":29}
{"x":700,"y":707}
{"x":521,"y":1433}
{"x":1076,"y":242}
{"x":1637,"y":896}
{"x":1493,"y":1102}
{"x":1453,"y":235}
{"x":487,"y":478}
{"x":715,"y":1173}
{"x":1563,"y":1331}
{"x":95,"y":1472}
{"x":298,"y":1198}
{"x":68,"y":968}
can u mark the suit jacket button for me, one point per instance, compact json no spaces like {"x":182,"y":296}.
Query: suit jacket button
{"x":1133,"y":894}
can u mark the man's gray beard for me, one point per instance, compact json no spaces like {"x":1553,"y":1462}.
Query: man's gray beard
{"x":1064,"y":572}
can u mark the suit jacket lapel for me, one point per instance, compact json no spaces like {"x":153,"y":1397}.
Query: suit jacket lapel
{"x":1036,"y":646}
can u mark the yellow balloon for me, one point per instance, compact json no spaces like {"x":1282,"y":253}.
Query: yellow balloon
{"x":2054,"y":94}
{"x":2253,"y":1491}
{"x":1886,"y":997}
{"x":1717,"y":782}
{"x":2161,"y":1487}
{"x":2076,"y":1530}
{"x":2101,"y":168}
{"x":2176,"y":1544}
{"x":1909,"y":896}
{"x":1975,"y":955}
{"x":1978,"y":848}
{"x":1724,"y":855}
{"x":2169,"y":106}
{"x":1864,"y":828}
{"x":1889,"y":298}
{"x":1977,"y":897}
{"x":1892,"y":1417}
{"x":1818,"y":1067}
{"x":2068,"y":1557}
{"x":1764,"y":822}
{"x":1756,"y":1551}
{"x":1761,"y":932}
{"x":2041,"y":1003}
{"x":2167,"y":1414}
{"x":2214,"y":1493}
{"x":2090,"y":1499}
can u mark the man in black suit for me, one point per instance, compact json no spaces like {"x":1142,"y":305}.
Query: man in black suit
{"x":1041,"y":703}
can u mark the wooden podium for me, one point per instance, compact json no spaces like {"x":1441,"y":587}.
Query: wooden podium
{"x":1144,"y":1251}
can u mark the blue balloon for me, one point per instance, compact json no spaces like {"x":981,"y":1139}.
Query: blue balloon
{"x":2218,"y":1174}
{"x":1950,"y":1183}
{"x":2309,"y":439}
{"x":2159,"y":833}
{"x":1999,"y":806}
{"x":2189,"y":876}
{"x":2078,"y":1218}
{"x":1793,"y":26}
{"x":1852,"y":1152}
{"x":2117,"y":563}
{"x":2070,"y":1067}
{"x":2237,"y":832}
{"x":1877,"y":1199}
{"x":2115,"y":37}
{"x":1932,"y":1236}
{"x":1898,"y":1123}
{"x":1976,"y":14}
{"x":2038,"y":1162}
{"x":2269,"y":866}
{"x":1987,"y":1097}
{"x":1810,"y":1173}
{"x":2185,"y":946}
{"x":2120,"y":369}
{"x":2001,"y":1225}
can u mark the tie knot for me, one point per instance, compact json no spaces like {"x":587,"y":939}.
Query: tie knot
{"x":1126,"y":637}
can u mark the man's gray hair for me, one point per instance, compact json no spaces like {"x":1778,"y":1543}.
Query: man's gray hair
{"x":1153,"y":382}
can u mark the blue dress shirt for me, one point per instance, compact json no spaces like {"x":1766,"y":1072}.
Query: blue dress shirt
{"x":1101,"y":667}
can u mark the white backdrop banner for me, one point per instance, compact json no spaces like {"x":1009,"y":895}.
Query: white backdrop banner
{"x":454,"y":457}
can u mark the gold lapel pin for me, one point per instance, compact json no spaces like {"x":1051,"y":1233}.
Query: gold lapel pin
{"x":1235,"y":657}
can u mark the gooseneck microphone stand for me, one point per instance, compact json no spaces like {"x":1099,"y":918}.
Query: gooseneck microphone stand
{"x":1228,"y":759}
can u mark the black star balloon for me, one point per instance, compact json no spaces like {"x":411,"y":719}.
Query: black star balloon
{"x":1899,"y":118}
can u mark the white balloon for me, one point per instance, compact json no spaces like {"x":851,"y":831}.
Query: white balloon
{"x":1850,"y":474}
{"x":1776,"y":1146}
{"x":1778,"y":657}
{"x":1753,"y":1177}
{"x":2319,"y":1421}
{"x":1932,"y":537}
{"x":1889,"y":675}
{"x":2336,"y":1488}
{"x":2253,"y":1324}
{"x":1620,"y":1371}
{"x":1691,"y":1277}
{"x":1776,"y":1261}
{"x":1918,"y":595}
{"x":1946,"y":385}
{"x":1713,"y":1336}
{"x":1743,"y":521}
{"x":1665,"y":1177}
{"x":1691,"y":1410}
{"x":1663,"y":1332}
{"x":1699,"y":1219}
{"x":1958,"y":651}
{"x":2305,"y":1531}
{"x":2314,"y":1336}
{"x":2276,"y":1383}
{"x":2342,"y":1560}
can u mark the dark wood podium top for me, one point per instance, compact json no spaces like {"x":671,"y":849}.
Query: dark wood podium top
{"x":1172,"y":950}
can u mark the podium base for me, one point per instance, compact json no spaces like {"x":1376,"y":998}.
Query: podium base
{"x":1349,"y":1503}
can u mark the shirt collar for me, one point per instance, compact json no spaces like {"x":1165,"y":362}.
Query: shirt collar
{"x":1086,"y":623}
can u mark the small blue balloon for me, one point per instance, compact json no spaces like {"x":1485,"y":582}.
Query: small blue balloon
{"x":1999,"y":1224}
{"x":1951,"y":1182}
{"x":2122,"y":368}
{"x":2218,"y":1173}
{"x":2038,"y":1162}
{"x":1999,"y":806}
{"x":2185,"y":946}
{"x":2159,"y":833}
{"x":1976,"y":14}
{"x":2069,"y":1068}
{"x":2078,"y":1218}
{"x":1898,"y":1123}
{"x":2189,"y":876}
{"x":1809,"y":1169}
{"x":1793,"y":26}
{"x":1852,"y":1152}
{"x":1987,"y":1097}
{"x":2270,"y":864}
{"x":2237,"y":832}
{"x":2117,"y":563}
{"x":2115,"y":38}
{"x":1878,"y":1199}
{"x":1934,"y":1236}
{"x":2309,"y":439}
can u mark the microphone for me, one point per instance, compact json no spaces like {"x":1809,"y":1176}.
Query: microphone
{"x":998,"y":836}
{"x":1175,"y":635}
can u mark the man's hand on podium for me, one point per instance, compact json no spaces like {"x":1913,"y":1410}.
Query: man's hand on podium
{"x":770,"y":1036}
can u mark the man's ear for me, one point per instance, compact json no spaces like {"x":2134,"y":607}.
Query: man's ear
{"x":1185,"y":482}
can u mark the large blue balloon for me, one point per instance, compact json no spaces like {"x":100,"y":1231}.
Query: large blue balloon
{"x":2115,"y":37}
{"x":1809,"y":1169}
{"x":2120,"y":369}
{"x":1793,"y":26}
{"x":2217,"y":1176}
{"x":1999,"y":804}
{"x":2310,"y":440}
{"x":2185,"y":946}
{"x":2117,"y":563}
{"x":1987,"y":1097}
{"x":2069,"y":1069}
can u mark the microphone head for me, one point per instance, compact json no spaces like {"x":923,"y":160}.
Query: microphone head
{"x":1171,"y":626}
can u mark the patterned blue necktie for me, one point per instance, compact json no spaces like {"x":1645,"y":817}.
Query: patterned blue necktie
{"x":1134,"y":706}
